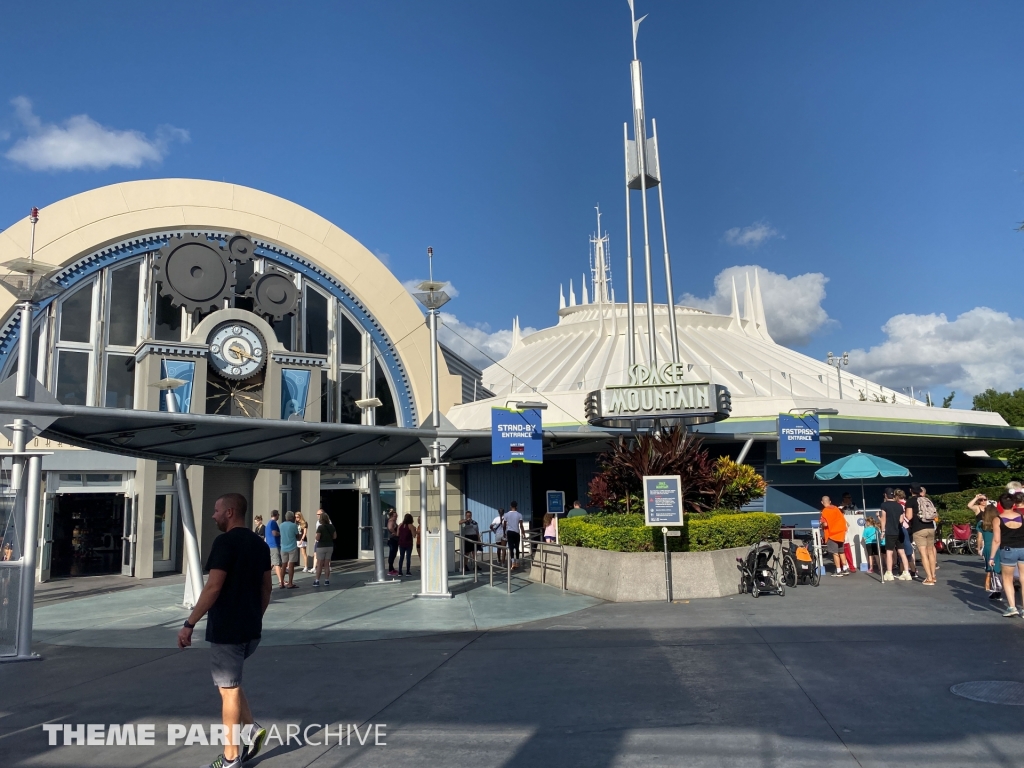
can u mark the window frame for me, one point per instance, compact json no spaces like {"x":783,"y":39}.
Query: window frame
{"x":89,"y":347}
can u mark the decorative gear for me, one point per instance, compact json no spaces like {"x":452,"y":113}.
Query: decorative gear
{"x":195,"y":273}
{"x":273,"y":293}
{"x":241,"y":248}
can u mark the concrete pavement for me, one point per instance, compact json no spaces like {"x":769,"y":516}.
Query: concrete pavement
{"x":852,"y":673}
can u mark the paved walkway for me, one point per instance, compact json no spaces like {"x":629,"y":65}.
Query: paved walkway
{"x":348,"y":610}
{"x":852,"y":673}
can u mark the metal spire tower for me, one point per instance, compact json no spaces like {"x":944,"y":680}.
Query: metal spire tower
{"x":600,"y":268}
{"x":643,"y":173}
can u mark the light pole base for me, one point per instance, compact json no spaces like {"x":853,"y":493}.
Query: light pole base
{"x":13,"y":659}
{"x":374,"y":582}
{"x":441,"y":596}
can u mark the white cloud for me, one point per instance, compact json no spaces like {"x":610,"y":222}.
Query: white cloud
{"x":981,"y":348}
{"x":792,"y":305}
{"x":83,"y":144}
{"x":752,"y":236}
{"x":476,"y":343}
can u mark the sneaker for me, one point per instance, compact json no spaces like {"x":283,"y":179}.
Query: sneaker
{"x":1010,"y":612}
{"x":905,"y":576}
{"x":327,"y":582}
{"x":253,"y":737}
{"x":888,"y":576}
{"x":223,"y":762}
{"x":316,"y":582}
{"x":392,"y":572}
{"x":996,"y":596}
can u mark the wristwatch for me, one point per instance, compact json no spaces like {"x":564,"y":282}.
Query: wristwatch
{"x":189,"y":626}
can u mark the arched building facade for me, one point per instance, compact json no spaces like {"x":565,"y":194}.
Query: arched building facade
{"x":263,"y":309}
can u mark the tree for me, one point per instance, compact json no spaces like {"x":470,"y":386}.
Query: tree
{"x":1009,"y":405}
{"x":947,"y":401}
{"x":738,"y":484}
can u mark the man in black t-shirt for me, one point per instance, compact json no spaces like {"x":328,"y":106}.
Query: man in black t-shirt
{"x":236,"y":596}
{"x":892,"y":514}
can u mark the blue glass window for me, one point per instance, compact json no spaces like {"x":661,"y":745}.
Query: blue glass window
{"x":178,"y":369}
{"x":294,"y":391}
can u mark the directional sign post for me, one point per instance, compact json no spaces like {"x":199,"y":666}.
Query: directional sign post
{"x":663,"y":506}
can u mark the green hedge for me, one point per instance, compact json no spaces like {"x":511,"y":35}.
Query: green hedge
{"x":725,"y":531}
{"x":702,"y":533}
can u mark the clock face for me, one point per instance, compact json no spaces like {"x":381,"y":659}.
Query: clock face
{"x":237,"y":350}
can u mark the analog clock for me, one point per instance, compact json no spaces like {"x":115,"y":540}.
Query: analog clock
{"x":237,"y":350}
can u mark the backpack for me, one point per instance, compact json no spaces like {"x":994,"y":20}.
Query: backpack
{"x":926,"y":509}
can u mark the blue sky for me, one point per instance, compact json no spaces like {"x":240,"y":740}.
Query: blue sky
{"x":878,"y":144}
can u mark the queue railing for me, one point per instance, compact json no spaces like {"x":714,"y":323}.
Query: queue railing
{"x":545,"y":555}
{"x":477,"y":547}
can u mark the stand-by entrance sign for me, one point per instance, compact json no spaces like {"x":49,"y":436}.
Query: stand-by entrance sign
{"x":663,"y":500}
{"x":516,"y":436}
{"x":799,"y":439}
{"x":556,"y":502}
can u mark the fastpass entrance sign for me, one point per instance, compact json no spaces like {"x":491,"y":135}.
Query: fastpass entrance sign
{"x":799,"y":439}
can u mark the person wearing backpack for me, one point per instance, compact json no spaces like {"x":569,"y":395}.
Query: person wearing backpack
{"x":922,"y":513}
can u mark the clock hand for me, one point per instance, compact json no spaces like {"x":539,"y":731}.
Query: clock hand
{"x":241,"y":352}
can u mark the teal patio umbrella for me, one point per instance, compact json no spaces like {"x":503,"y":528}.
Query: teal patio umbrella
{"x":858,"y":466}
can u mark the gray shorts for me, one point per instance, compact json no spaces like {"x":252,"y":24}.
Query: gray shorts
{"x":275,"y":557}
{"x":324,"y":553}
{"x":226,"y":660}
{"x":834,"y":547}
{"x":290,"y":557}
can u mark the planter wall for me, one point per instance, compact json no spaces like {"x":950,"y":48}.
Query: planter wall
{"x":625,"y":577}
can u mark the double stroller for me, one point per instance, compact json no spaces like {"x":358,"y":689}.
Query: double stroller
{"x":761,"y":571}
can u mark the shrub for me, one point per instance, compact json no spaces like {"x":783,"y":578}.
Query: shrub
{"x":725,"y":531}
{"x":702,"y":533}
{"x":736,"y":484}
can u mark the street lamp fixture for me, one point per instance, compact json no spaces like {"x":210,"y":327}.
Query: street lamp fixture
{"x":816,"y":411}
{"x":837,"y":363}
{"x":370,"y":402}
{"x":539,"y":405}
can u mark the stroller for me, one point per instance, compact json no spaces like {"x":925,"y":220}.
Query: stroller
{"x":761,"y":570}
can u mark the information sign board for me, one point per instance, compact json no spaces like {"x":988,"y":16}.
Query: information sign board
{"x":663,"y":500}
{"x":556,"y":502}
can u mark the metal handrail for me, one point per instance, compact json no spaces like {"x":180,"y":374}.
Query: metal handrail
{"x":492,"y":548}
{"x":536,"y":541}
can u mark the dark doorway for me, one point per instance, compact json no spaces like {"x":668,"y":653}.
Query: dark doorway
{"x":552,"y":475}
{"x":87,"y":530}
{"x":343,"y":508}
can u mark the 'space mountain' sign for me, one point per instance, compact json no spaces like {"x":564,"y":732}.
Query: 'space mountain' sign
{"x":658,"y":394}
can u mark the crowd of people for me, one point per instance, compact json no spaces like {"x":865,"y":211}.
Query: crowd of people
{"x":289,"y":543}
{"x":904,"y":528}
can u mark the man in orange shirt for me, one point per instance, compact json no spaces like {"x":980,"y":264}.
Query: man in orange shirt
{"x":833,"y":526}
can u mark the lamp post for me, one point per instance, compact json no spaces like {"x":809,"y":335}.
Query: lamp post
{"x":837,"y":363}
{"x":434,"y":566}
{"x":194,"y":581}
{"x":29,"y":282}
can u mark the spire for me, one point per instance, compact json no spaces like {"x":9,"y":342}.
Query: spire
{"x":735,"y":324}
{"x":748,"y":306}
{"x":561,"y":297}
{"x":601,"y":269}
{"x":517,"y":338}
{"x":583,"y":284}
{"x":759,"y":317}
{"x":572,"y":295}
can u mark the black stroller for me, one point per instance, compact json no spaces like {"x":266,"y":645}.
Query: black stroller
{"x":761,"y":570}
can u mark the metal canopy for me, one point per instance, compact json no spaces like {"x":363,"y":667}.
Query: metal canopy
{"x":281,"y":444}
